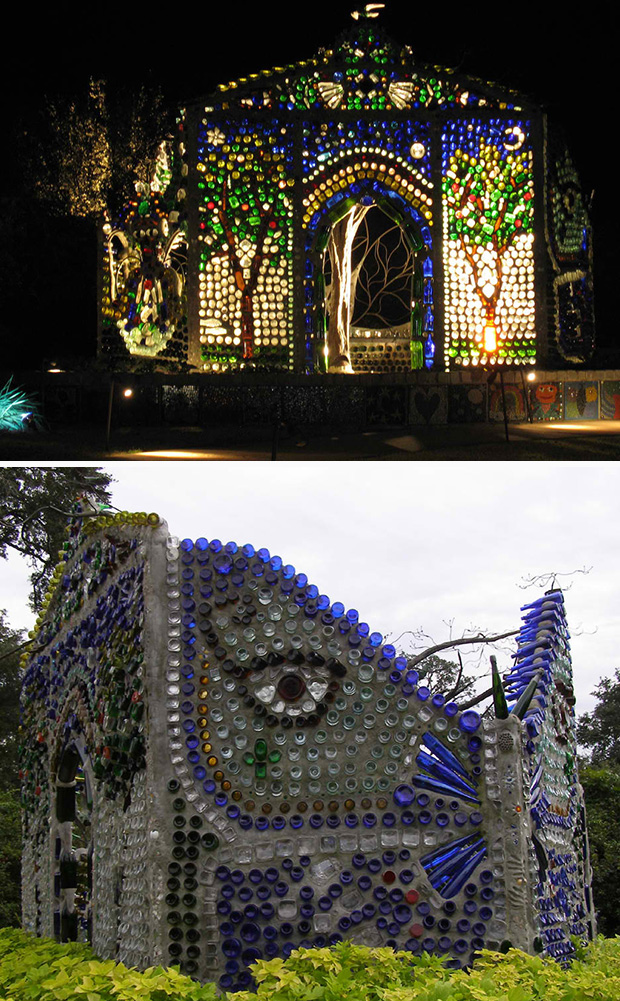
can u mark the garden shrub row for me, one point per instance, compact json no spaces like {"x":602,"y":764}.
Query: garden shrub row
{"x":34,"y":969}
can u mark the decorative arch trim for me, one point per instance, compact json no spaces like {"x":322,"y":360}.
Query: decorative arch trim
{"x":414,"y":216}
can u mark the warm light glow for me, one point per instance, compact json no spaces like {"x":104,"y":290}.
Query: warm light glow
{"x":127,"y":393}
{"x":531,"y":376}
{"x":490,"y":338}
{"x":175,"y":454}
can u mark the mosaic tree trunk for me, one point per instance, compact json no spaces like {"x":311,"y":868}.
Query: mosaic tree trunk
{"x":246,"y":274}
{"x":340,"y":293}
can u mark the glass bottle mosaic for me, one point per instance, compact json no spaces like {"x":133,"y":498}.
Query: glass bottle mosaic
{"x":263,"y":770}
{"x":226,"y":263}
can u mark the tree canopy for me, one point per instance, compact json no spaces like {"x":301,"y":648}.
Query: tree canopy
{"x":10,"y":818}
{"x":10,"y":640}
{"x":599,"y":730}
{"x":33,"y":515}
{"x":601,"y":788}
{"x":84,"y":154}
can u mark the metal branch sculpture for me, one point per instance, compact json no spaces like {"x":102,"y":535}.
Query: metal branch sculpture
{"x":368,"y":278}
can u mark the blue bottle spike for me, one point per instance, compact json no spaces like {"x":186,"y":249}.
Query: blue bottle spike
{"x":455,"y":867}
{"x":522,"y":705}
{"x":523,"y":679}
{"x":442,"y":772}
{"x":435,"y":746}
{"x":553,"y":596}
{"x":530,"y":647}
{"x":458,"y":883}
{"x":444,"y":878}
{"x":425,"y":782}
{"x":534,"y":661}
{"x":536,"y":778}
{"x":446,"y":853}
{"x":549,"y":616}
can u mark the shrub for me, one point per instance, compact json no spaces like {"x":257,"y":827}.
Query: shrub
{"x":356,"y":973}
{"x":34,"y":969}
{"x":39,"y":969}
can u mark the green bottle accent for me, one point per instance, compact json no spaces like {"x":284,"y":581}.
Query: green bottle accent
{"x":274,"y":756}
{"x":210,"y":841}
{"x":248,"y":758}
{"x":523,"y":703}
{"x":499,"y":696}
{"x":261,"y":770}
{"x":260,"y":749}
{"x":417,"y":355}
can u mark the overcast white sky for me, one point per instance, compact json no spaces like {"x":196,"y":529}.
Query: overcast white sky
{"x":411,"y":545}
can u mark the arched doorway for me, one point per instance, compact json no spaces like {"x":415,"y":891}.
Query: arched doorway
{"x":73,"y":843}
{"x":373,"y":290}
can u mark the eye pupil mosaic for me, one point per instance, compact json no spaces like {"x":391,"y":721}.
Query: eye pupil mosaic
{"x":236,"y":765}
{"x":249,"y":248}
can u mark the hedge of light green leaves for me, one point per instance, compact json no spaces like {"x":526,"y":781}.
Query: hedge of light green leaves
{"x":34,"y":969}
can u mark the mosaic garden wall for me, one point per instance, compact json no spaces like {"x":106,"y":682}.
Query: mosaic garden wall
{"x":357,"y":212}
{"x":235,"y":764}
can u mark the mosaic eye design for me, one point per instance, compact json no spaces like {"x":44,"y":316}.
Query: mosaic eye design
{"x":294,"y":717}
{"x":270,"y":773}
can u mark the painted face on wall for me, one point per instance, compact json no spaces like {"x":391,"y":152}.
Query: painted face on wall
{"x":546,"y":394}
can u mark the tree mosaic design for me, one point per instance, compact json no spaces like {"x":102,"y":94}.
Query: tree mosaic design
{"x":245,"y":257}
{"x":488,"y":243}
{"x":285,"y":164}
{"x":145,"y":273}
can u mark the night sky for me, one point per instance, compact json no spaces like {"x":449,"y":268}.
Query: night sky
{"x":563,"y":61}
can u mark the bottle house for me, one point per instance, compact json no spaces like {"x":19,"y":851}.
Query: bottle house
{"x":220,"y":763}
{"x":354,"y":213}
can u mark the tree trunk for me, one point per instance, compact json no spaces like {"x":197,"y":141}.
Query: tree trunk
{"x":340,"y":294}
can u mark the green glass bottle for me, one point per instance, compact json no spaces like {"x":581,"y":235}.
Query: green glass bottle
{"x":499,"y":696}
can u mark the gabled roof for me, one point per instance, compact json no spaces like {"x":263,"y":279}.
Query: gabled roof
{"x":365,"y":71}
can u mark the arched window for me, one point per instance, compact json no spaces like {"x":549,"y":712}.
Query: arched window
{"x":73,"y":844}
{"x":374,"y":290}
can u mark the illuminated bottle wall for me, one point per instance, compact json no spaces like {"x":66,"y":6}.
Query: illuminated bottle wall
{"x":475,"y":250}
{"x":236,"y":764}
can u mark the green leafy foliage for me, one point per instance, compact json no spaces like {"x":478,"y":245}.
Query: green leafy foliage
{"x":34,"y":969}
{"x":36,"y":499}
{"x":82,"y":155}
{"x":599,"y":730}
{"x":10,"y":816}
{"x":39,"y":969}
{"x":10,"y":858}
{"x":601,"y":788}
{"x":10,"y":683}
{"x":353,"y":972}
{"x":445,"y":676}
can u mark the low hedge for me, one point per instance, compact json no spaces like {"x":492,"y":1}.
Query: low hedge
{"x":34,"y":969}
{"x":39,"y":969}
